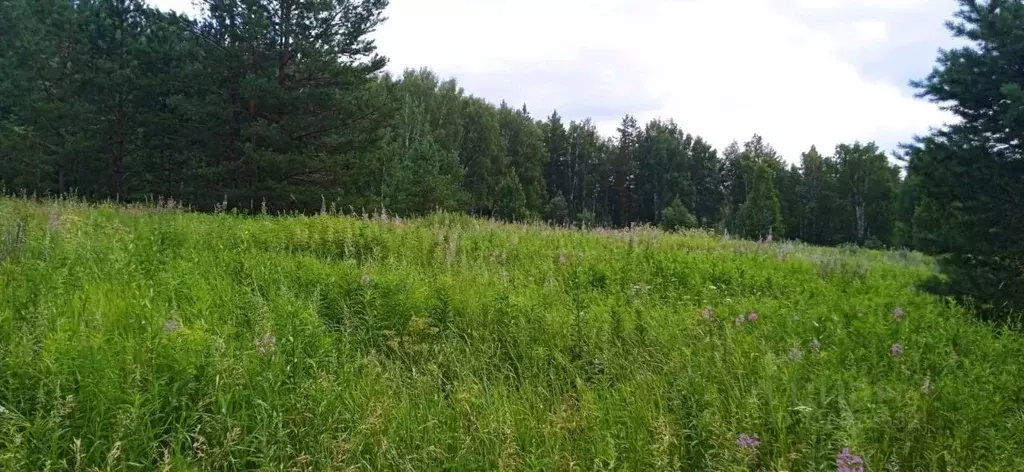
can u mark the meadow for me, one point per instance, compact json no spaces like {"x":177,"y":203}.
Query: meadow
{"x":138,"y":338}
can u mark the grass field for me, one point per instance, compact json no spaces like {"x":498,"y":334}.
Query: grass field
{"x":135,"y":339}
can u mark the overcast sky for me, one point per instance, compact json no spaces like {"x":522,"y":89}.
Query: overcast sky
{"x":798,"y":72}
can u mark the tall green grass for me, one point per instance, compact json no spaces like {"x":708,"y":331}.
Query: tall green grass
{"x":136,"y":339}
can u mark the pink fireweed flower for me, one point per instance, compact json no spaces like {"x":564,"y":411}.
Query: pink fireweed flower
{"x":752,"y":316}
{"x":896,"y":350}
{"x":847,"y":462}
{"x":748,"y":442}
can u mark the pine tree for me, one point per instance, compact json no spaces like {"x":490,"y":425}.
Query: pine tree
{"x":705,"y":178}
{"x":624,"y":173}
{"x":297,"y":85}
{"x":45,"y":126}
{"x":557,"y":172}
{"x":969,"y":176}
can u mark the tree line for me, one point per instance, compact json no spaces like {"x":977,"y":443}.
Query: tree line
{"x":286,"y":105}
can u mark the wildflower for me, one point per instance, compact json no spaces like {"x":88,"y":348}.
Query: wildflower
{"x":897,"y":314}
{"x":365,"y":280}
{"x":740,"y":320}
{"x":267,"y":344}
{"x":708,"y":314}
{"x":847,"y":462}
{"x":748,"y":442}
{"x":815,"y":345}
{"x":896,"y":350}
{"x":752,"y":316}
{"x":171,"y":326}
{"x":795,"y":354}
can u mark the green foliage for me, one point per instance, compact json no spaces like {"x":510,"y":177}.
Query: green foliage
{"x":761,"y":214}
{"x":677,"y":216}
{"x":285,"y":106}
{"x":526,"y":155}
{"x":436,"y":176}
{"x":868,"y":185}
{"x":146,"y":339}
{"x":511,"y":201}
{"x":557,"y":210}
{"x":968,"y":178}
{"x":819,"y":199}
{"x":255,"y":99}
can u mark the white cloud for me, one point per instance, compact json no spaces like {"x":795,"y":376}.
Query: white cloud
{"x":722,"y":69}
{"x":878,"y":4}
{"x":180,"y":6}
{"x":871,"y":30}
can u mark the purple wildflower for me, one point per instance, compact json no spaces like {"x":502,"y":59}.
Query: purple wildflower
{"x":847,"y":462}
{"x":752,"y":316}
{"x":897,"y":314}
{"x":896,"y":350}
{"x":171,"y":326}
{"x":708,"y":314}
{"x":748,"y":442}
{"x":267,"y":344}
{"x":815,"y":345}
{"x":795,"y":354}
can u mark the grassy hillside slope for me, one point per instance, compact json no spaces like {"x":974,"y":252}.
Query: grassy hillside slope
{"x":156,"y":340}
